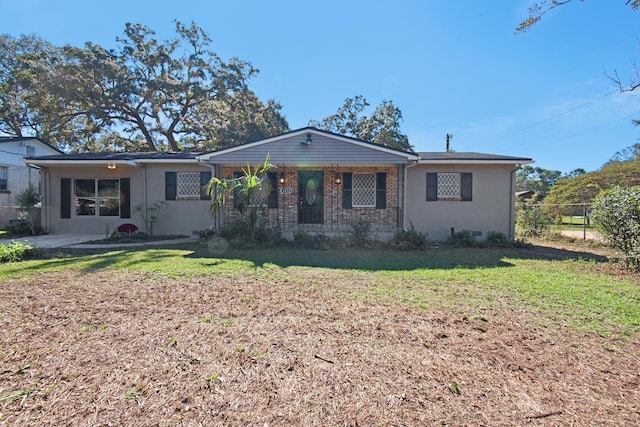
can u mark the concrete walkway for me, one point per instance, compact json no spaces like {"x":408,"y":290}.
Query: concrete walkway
{"x":78,"y":241}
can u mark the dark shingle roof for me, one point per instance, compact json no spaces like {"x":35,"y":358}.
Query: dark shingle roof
{"x":469,"y":156}
{"x":121,"y":156}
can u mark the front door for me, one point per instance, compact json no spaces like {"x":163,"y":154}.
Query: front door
{"x":310,"y":197}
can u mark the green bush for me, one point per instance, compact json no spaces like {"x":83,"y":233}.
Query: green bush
{"x":409,"y":239}
{"x":241,"y":235}
{"x":466,"y":238}
{"x":18,"y":227}
{"x":361,"y":233}
{"x":616,"y":213}
{"x":16,"y":251}
{"x":496,"y":238}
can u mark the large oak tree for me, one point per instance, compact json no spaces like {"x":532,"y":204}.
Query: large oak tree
{"x":145,"y":94}
{"x":381,"y":127}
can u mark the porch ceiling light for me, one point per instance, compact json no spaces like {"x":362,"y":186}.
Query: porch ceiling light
{"x":111,"y":166}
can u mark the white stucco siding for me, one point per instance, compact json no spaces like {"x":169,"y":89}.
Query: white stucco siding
{"x":51,"y":217}
{"x":177,"y":216}
{"x":147,"y":185}
{"x":491,"y":207}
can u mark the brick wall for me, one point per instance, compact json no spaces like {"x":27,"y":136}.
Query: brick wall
{"x":336,"y":218}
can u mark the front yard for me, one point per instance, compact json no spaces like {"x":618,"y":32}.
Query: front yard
{"x":537,"y":336}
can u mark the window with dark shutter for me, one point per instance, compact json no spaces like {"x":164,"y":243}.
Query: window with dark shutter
{"x":125,"y":198}
{"x":170,"y":185}
{"x":432,"y":187}
{"x":65,"y":198}
{"x":205,"y":177}
{"x":272,"y":201}
{"x":347,"y":183}
{"x":381,"y":190}
{"x":466,"y":186}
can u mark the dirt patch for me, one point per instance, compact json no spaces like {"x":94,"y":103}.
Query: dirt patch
{"x":128,"y":348}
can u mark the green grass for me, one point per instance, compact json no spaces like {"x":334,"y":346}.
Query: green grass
{"x":585,"y":295}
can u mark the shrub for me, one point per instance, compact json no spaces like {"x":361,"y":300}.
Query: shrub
{"x":18,"y":227}
{"x":465,"y":238}
{"x":241,"y":235}
{"x":616,"y":213}
{"x":16,"y":251}
{"x":361,"y":233}
{"x":409,"y":239}
{"x":302,"y":239}
{"x":496,"y":238}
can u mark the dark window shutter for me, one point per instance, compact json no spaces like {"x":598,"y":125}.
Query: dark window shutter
{"x":466,"y":186}
{"x":205,"y":177}
{"x":432,"y":186}
{"x":170,"y":185}
{"x":347,"y":190}
{"x":65,"y":198}
{"x":125,"y":198}
{"x":236,"y":190}
{"x":381,"y":190}
{"x":273,"y":194}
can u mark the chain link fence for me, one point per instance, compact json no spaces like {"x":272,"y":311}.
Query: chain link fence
{"x":571,"y":219}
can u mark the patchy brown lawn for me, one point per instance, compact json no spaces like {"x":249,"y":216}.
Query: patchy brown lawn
{"x":116,"y":347}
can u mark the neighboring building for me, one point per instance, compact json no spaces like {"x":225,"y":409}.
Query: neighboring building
{"x":322,"y":182}
{"x":15,"y":176}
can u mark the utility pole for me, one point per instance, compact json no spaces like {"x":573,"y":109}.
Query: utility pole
{"x":448,"y":138}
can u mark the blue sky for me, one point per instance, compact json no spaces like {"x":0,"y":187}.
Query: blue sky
{"x":451,"y":66}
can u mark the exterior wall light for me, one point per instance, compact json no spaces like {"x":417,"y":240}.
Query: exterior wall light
{"x":338,"y":179}
{"x":281,"y":178}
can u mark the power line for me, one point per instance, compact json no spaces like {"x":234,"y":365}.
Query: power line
{"x":557,"y":115}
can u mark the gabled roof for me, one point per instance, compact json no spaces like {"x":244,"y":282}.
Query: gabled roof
{"x":7,"y":139}
{"x":468,"y":157}
{"x":302,"y":134}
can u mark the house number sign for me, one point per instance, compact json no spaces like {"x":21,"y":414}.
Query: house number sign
{"x":286,"y":190}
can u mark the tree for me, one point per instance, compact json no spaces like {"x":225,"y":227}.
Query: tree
{"x":585,"y":187}
{"x":27,"y":64}
{"x":616,"y":213}
{"x":144,"y":95}
{"x":539,"y":9}
{"x":242,"y":186}
{"x":382,"y":127}
{"x":627,"y":154}
{"x":537,"y":180}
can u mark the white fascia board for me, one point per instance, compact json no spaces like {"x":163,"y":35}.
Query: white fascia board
{"x":475,"y":162}
{"x":301,"y":132}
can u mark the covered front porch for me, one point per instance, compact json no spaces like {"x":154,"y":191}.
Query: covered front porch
{"x":321,"y":200}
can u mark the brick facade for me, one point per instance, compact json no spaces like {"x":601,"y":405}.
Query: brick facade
{"x":336,"y":218}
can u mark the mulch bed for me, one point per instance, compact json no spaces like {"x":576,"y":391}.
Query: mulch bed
{"x":115,"y":347}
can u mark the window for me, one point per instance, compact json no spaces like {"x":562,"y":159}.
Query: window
{"x":96,"y":197}
{"x":4,"y":178}
{"x":186,"y":185}
{"x":264,"y":195}
{"x":366,"y":190}
{"x":449,"y":186}
{"x":363,"y":190}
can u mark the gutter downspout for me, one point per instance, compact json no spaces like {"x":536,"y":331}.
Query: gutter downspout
{"x":215,"y":220}
{"x":512,"y":206}
{"x":404,"y":190}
